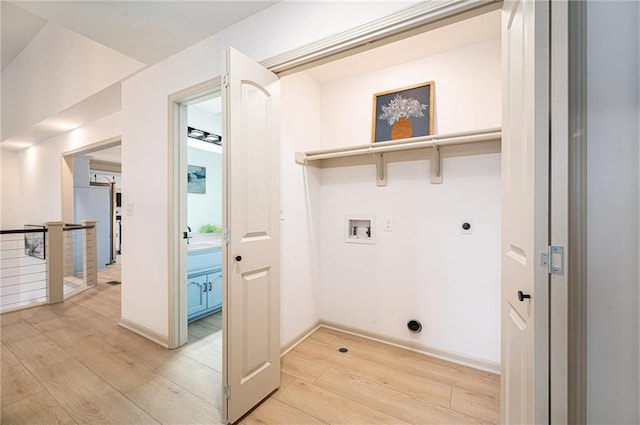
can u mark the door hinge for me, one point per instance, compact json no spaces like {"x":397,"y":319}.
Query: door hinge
{"x":225,"y":236}
{"x":225,"y":80}
{"x":227,"y":391}
{"x":553,"y":259}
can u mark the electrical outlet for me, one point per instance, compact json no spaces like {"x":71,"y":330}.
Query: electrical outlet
{"x":388,"y":224}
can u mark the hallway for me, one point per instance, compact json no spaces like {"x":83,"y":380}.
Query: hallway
{"x":71,"y":363}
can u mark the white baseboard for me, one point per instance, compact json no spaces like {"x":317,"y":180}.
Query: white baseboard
{"x":144,"y":332}
{"x":299,"y":338}
{"x":396,"y":342}
{"x":461,"y":359}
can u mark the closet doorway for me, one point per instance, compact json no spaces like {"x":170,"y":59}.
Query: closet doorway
{"x":457,"y":231}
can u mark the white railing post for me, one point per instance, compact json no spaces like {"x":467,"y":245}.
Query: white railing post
{"x":55,"y":260}
{"x":90,"y":253}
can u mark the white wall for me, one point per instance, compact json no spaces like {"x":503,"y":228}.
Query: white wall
{"x":612,"y":212}
{"x":424,"y":269}
{"x":300,"y":130}
{"x":10,"y":190}
{"x":58,"y":69}
{"x":466,"y":83}
{"x":40,"y":169}
{"x":205,"y":208}
{"x":81,"y":174}
{"x":287,"y":25}
{"x":204,"y":120}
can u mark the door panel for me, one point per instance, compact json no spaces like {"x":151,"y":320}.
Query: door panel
{"x":252,"y":299}
{"x":525,"y":211}
{"x":214,"y":296}
{"x":196,"y":294}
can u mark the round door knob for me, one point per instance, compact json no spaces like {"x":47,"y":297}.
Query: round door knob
{"x":239,"y":258}
{"x":522,"y":296}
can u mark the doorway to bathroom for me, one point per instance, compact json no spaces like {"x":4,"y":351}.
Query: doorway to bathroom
{"x":202,"y":125}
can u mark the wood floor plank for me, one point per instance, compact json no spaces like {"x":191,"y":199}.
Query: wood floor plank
{"x":301,"y":367}
{"x":17,"y":382}
{"x":71,"y":308}
{"x":101,"y":306}
{"x":285,"y":380}
{"x":148,"y":352}
{"x":331,"y":408}
{"x":418,"y":364}
{"x":24,"y":340}
{"x":86,"y":397}
{"x":272,"y":411}
{"x":482,"y":406}
{"x":169,"y":403}
{"x":104,"y":328}
{"x":7,"y":319}
{"x":39,"y":315}
{"x":53,"y":325}
{"x":422,"y":388}
{"x":401,"y":351}
{"x":322,"y":336}
{"x":37,"y":409}
{"x":112,"y":365}
{"x":390,"y":401}
{"x":201,"y":380}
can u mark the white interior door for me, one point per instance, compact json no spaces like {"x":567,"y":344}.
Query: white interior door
{"x":525,"y":212}
{"x":251,"y":361}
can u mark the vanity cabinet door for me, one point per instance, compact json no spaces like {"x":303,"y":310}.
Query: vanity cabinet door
{"x":197,"y":290}
{"x":214,"y":297}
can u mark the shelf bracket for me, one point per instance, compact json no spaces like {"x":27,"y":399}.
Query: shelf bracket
{"x":301,"y":158}
{"x":436,"y":166}
{"x":381,"y":170}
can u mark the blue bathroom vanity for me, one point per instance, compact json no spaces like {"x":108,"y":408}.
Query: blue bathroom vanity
{"x":204,"y":280}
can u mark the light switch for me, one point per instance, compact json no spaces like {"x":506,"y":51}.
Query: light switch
{"x":130,"y":210}
{"x":388,"y":224}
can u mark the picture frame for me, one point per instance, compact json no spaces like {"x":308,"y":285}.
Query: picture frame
{"x":403,"y":113}
{"x":34,"y":242}
{"x":196,"y":179}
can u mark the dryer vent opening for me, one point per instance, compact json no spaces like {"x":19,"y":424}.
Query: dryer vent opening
{"x":414,"y":326}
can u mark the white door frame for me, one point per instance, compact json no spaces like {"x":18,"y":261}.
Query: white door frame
{"x":577,"y":220}
{"x":177,"y":252}
{"x":559,"y":212}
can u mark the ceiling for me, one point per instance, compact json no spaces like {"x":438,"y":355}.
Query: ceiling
{"x":113,"y":155}
{"x":462,"y":33}
{"x":148,"y":31}
{"x":134,"y":28}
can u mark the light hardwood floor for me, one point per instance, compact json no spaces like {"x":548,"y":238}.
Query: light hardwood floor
{"x":71,"y":363}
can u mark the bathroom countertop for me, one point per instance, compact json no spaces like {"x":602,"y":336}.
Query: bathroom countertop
{"x":204,"y":242}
